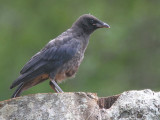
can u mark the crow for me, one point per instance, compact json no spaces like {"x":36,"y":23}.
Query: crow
{"x":60,"y":58}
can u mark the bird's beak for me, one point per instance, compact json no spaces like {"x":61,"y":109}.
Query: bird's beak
{"x":102,"y":25}
{"x":105,"y":25}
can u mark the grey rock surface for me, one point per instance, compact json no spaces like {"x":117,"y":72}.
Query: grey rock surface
{"x":130,"y":105}
{"x":134,"y":105}
{"x":51,"y":106}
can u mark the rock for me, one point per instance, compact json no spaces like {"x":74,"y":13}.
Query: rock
{"x":134,"y":105}
{"x":50,"y":106}
{"x":130,"y":105}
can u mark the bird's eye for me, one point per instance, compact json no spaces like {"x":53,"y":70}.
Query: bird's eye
{"x":91,"y":21}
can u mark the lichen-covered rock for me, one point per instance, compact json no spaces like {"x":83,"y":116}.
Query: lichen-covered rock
{"x":131,"y":105}
{"x":62,"y":106}
{"x":134,"y":105}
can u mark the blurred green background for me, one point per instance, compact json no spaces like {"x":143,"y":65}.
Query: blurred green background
{"x":124,"y":57}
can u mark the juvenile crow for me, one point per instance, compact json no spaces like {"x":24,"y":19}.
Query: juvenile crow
{"x":60,"y":58}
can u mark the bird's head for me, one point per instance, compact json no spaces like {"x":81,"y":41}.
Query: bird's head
{"x":89,"y":23}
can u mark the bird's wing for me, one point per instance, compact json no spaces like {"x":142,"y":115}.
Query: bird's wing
{"x":56,"y":56}
{"x":47,"y":61}
{"x":34,"y":60}
{"x":59,"y":53}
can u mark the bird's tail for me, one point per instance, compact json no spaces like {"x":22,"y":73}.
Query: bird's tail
{"x":18,"y":91}
{"x":23,"y":78}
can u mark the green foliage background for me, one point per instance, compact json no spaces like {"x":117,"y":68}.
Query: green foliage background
{"x":124,"y":57}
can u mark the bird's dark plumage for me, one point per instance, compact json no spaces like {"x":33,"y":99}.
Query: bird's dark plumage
{"x":60,"y":58}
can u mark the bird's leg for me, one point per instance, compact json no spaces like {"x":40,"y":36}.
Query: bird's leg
{"x":55,"y":86}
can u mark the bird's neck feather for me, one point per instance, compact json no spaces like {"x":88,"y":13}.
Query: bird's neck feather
{"x":82,"y":36}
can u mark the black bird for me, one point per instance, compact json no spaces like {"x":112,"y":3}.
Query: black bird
{"x":60,"y":58}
